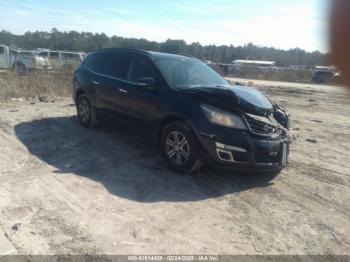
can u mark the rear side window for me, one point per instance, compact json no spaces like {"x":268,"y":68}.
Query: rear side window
{"x":43,"y":54}
{"x":75,"y":56}
{"x":70,"y":56}
{"x":94,"y":62}
{"x":2,"y":50}
{"x":117,"y":65}
{"x":142,"y":67}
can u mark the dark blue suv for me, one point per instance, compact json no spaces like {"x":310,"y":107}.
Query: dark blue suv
{"x":195,"y":114}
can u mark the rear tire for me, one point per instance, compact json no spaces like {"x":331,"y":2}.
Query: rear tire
{"x":318,"y":80}
{"x":86,"y":112}
{"x":21,"y":69}
{"x":180,"y":148}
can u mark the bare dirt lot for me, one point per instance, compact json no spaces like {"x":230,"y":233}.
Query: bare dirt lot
{"x":68,"y":190}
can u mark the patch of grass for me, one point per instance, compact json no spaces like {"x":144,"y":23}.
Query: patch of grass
{"x":33,"y":85}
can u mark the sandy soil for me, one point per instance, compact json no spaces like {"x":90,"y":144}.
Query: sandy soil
{"x":65,"y":189}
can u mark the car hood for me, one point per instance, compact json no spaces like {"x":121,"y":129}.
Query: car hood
{"x":241,"y":98}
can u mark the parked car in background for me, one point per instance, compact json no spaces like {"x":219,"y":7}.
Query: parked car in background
{"x":21,"y":61}
{"x":194,"y":113}
{"x":324,"y":76}
{"x":63,"y":60}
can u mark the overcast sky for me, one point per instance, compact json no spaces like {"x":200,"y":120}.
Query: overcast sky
{"x":281,"y":24}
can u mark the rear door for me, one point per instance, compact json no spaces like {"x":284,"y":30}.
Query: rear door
{"x":112,"y":85}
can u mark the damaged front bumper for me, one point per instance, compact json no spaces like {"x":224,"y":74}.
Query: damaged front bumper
{"x":239,"y":149}
{"x":261,"y":153}
{"x":264,"y":144}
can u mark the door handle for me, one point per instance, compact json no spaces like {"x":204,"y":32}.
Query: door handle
{"x":96,"y":83}
{"x":122,"y":90}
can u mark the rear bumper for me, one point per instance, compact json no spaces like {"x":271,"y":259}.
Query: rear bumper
{"x":237,"y":149}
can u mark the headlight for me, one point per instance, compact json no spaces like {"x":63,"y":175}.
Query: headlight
{"x":222,"y":118}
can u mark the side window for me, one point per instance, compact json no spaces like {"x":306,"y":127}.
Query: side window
{"x":94,"y":62}
{"x":74,"y":56}
{"x":142,"y":67}
{"x":117,"y":65}
{"x":54,"y":55}
{"x":2,"y":50}
{"x":43,"y":54}
{"x":27,"y":54}
{"x":70,"y":56}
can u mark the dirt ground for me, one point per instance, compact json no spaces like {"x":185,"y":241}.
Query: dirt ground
{"x":68,"y":190}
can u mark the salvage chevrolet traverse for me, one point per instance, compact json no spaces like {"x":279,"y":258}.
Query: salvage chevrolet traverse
{"x":193,"y":112}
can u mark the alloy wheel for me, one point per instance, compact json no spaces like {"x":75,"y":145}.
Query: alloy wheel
{"x":84,"y":111}
{"x":177,"y":148}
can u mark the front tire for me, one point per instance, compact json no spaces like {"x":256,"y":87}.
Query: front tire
{"x":180,"y":148}
{"x":85,"y":111}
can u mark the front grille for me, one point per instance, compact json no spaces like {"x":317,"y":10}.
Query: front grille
{"x":260,"y":127}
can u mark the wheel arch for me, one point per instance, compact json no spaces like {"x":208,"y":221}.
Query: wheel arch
{"x":196,"y":165}
{"x":170,"y":119}
{"x":164,"y":122}
{"x":79,"y":93}
{"x":17,"y":63}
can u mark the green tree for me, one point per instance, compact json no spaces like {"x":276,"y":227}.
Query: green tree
{"x":86,"y":41}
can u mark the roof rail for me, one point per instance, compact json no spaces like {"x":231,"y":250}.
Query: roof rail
{"x":121,"y":49}
{"x":184,"y":54}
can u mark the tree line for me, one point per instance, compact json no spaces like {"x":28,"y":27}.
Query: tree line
{"x":86,"y":41}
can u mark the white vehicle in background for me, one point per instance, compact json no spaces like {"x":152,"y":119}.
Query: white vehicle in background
{"x":63,"y":60}
{"x":21,"y":61}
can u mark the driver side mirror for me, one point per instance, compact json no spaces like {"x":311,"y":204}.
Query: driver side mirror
{"x":148,"y":82}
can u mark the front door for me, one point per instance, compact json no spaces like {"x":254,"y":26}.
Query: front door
{"x":143,"y":103}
